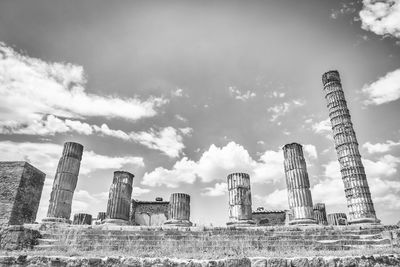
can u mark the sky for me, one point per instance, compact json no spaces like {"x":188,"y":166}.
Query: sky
{"x":182,"y":93}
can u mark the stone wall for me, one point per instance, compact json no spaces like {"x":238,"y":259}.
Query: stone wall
{"x":366,"y":261}
{"x":269,"y":218}
{"x":21,"y":188}
{"x":149,"y":213}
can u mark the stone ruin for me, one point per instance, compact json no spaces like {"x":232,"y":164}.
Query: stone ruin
{"x":21,"y":188}
{"x":149,"y":213}
{"x":23,"y":185}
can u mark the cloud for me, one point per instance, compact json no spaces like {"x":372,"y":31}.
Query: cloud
{"x":281,"y":109}
{"x":30,"y":88}
{"x":345,"y":9}
{"x":216,"y":163}
{"x":322,"y":127}
{"x":380,"y":147}
{"x":311,"y":151}
{"x":276,"y":200}
{"x":385,"y":89}
{"x":276,"y":94}
{"x":45,"y":156}
{"x":178,"y":92}
{"x":243,"y":96}
{"x":219,"y":189}
{"x":138,"y":191}
{"x":381,"y":17}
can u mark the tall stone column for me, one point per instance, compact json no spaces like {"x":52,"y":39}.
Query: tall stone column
{"x":119,"y":198}
{"x":179,"y":210}
{"x":359,"y":202}
{"x":240,"y":213}
{"x":320,"y":213}
{"x":65,"y":183}
{"x":298,"y":185}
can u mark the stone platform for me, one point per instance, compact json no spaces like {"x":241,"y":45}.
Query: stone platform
{"x":190,"y":239}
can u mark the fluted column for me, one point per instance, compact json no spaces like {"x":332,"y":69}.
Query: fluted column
{"x":179,"y":210}
{"x":298,"y":185}
{"x":119,"y":199}
{"x":239,"y":193}
{"x":359,"y":201}
{"x":82,"y":219}
{"x":337,"y":219}
{"x":320,"y":213}
{"x":65,"y":183}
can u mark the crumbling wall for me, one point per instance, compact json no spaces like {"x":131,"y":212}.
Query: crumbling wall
{"x":149,"y":213}
{"x":269,"y":218}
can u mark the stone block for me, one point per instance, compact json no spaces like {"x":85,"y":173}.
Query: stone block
{"x":21,"y":188}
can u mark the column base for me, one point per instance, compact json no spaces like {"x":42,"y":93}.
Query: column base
{"x":241,"y":223}
{"x":364,"y":221}
{"x":180,"y":223}
{"x":303,"y":222}
{"x":115,"y":222}
{"x":56,"y":220}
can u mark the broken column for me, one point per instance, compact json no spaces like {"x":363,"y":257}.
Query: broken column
{"x":337,"y":219}
{"x":298,"y":185}
{"x":82,"y":219}
{"x":65,"y":183}
{"x":119,"y":199}
{"x":179,"y":210}
{"x":21,"y":187}
{"x":359,"y":202}
{"x":240,"y":213}
{"x":320,"y":213}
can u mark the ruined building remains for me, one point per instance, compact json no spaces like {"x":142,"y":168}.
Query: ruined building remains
{"x":298,"y":185}
{"x":359,"y":202}
{"x":150,"y":213}
{"x":337,"y":219}
{"x":65,"y":183}
{"x":239,"y":193}
{"x":269,"y":217}
{"x":320,"y":213}
{"x":119,"y":198}
{"x":179,"y":210}
{"x":82,"y":219}
{"x":21,"y":187}
{"x":101,"y":216}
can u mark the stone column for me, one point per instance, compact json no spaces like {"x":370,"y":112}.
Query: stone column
{"x":240,"y":213}
{"x":101,"y":216}
{"x":82,"y":219}
{"x":320,"y":213}
{"x":179,"y":210}
{"x":298,"y":185}
{"x":119,"y":199}
{"x":65,"y":183}
{"x":359,"y":202}
{"x":337,"y":219}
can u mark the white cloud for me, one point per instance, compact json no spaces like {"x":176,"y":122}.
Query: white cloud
{"x":219,"y":189}
{"x":380,"y":147}
{"x":311,"y":151}
{"x":178,"y":92}
{"x":45,"y":156}
{"x":384,"y":90}
{"x":30,"y":88}
{"x":322,"y":127}
{"x":276,"y":94}
{"x":179,"y":117}
{"x":276,"y":200}
{"x":216,"y":163}
{"x":243,"y":96}
{"x":186,"y":131}
{"x":381,"y":17}
{"x":138,"y":191}
{"x":281,"y":109}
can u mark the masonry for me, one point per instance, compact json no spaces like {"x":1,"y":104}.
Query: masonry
{"x":21,"y":188}
{"x":149,"y":213}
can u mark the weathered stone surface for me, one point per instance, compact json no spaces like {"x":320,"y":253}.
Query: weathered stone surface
{"x":337,"y":219}
{"x":320,"y":213}
{"x":82,"y":218}
{"x":17,"y":237}
{"x":150,"y":213}
{"x":179,"y":210}
{"x":298,"y":185}
{"x":239,"y":194}
{"x":21,"y":188}
{"x":359,"y":201}
{"x":65,"y":183}
{"x":269,"y":218}
{"x":119,"y":199}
